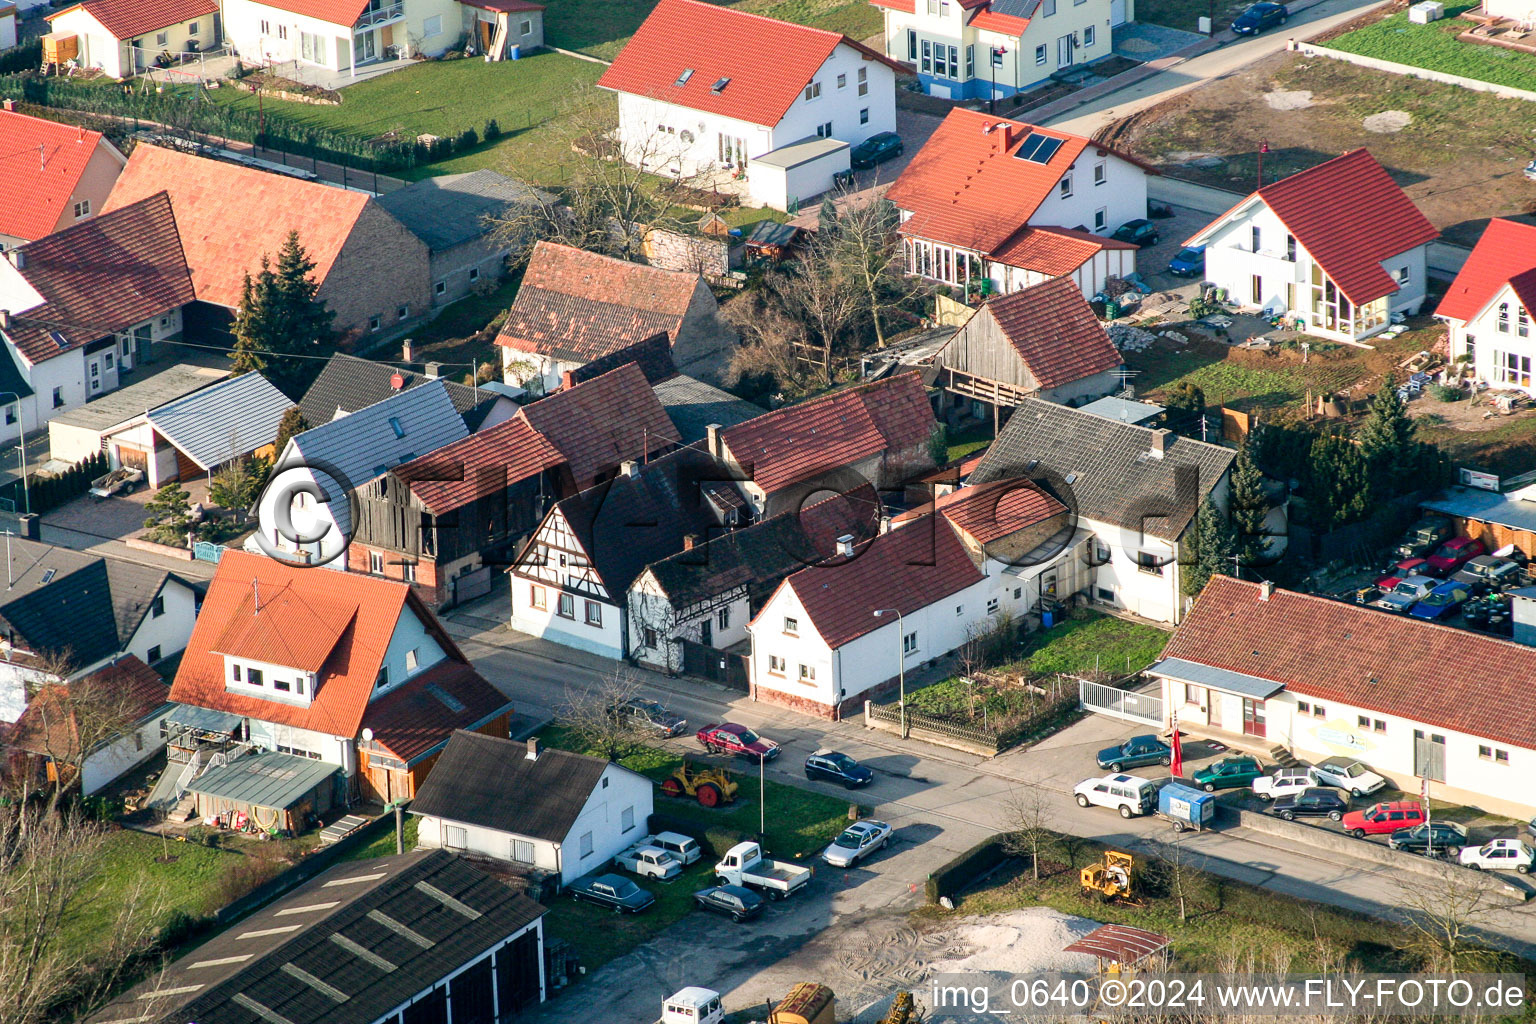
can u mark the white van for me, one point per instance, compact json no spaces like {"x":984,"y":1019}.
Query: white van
{"x":1131,"y":795}
{"x":683,"y":848}
{"x":692,"y":1005}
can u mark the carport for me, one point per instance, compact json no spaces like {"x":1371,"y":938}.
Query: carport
{"x":199,"y":432}
{"x":799,"y":171}
{"x":1211,"y":699}
{"x":80,"y":433}
{"x":273,"y":789}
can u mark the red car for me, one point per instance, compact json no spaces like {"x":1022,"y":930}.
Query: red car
{"x":729,"y":738}
{"x":1454,"y":554}
{"x":1384,"y":818}
{"x":1401,"y":570}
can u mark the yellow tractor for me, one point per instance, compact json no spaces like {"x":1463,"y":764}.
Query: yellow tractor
{"x":1111,"y":879}
{"x":709,"y":785}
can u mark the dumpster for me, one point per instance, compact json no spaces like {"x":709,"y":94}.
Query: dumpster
{"x":1186,"y":807}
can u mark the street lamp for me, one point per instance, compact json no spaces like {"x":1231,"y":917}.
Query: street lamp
{"x":901,"y":666}
{"x":21,"y":430}
{"x":762,"y":809}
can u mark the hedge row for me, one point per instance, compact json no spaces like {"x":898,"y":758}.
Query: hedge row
{"x":49,"y":492}
{"x":960,"y":872}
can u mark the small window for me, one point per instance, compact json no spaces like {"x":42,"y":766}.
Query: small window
{"x":1257,"y":238}
{"x":282,"y":684}
{"x":403,"y":312}
{"x":594,"y":614}
{"x":813,"y":90}
{"x":970,"y":60}
{"x":439,"y":288}
{"x":376,"y":562}
{"x":537,"y":598}
{"x":627,"y":820}
{"x":192,"y":28}
{"x":723,"y":618}
{"x":791,"y":626}
{"x":373,"y":324}
{"x":1486,"y":753}
{"x":525,"y":28}
{"x":1101,"y":219}
{"x":157,"y":606}
{"x":909,"y":644}
{"x":586,"y":844}
{"x":1048,"y":8}
{"x":864,"y":116}
{"x":842,"y":81}
{"x":1064,"y":187}
{"x":235,"y":672}
{"x":408,"y":569}
{"x":1193,"y":693}
{"x":153,"y":655}
{"x":959,"y":609}
{"x":1501,"y":756}
{"x":432,"y":26}
{"x":1304,"y":707}
{"x":411,"y":660}
{"x":474,"y":273}
{"x":1378,"y":726}
{"x":567,"y":606}
{"x":863,"y":81}
{"x":1100,"y":173}
{"x":808,"y":673}
{"x":1040,"y":55}
{"x":162,"y":38}
{"x":1087,"y":31}
{"x":824,"y":131}
{"x":1364,"y":721}
{"x":58,"y":397}
{"x":394,"y":424}
{"x":991,"y":605}
{"x":775,"y":664}
{"x":82,"y":209}
{"x":254,"y":676}
{"x":1318,"y":711}
{"x":648,"y":636}
{"x":455,"y":838}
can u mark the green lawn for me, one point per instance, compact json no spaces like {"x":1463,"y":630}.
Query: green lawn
{"x":384,"y":844}
{"x":1092,"y":642}
{"x":602,"y":27}
{"x":189,"y":882}
{"x":967,"y":440}
{"x":1186,"y":14}
{"x":1436,"y":48}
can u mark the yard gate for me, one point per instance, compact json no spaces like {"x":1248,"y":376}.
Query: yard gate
{"x":1126,"y":705}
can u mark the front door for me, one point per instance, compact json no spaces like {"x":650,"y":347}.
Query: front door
{"x":707,"y":633}
{"x":1064,"y":51}
{"x":1215,"y":715}
{"x":1253,"y":717}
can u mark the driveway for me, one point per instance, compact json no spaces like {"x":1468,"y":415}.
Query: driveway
{"x":914,"y":128}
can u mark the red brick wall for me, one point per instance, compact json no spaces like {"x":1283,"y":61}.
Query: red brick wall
{"x":428,"y":586}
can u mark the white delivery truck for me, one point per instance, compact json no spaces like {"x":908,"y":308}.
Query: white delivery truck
{"x":744,"y":864}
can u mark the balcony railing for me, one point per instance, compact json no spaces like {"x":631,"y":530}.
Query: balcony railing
{"x":381,"y":15}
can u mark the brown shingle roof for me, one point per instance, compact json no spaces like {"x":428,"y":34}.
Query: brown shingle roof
{"x":40,"y":164}
{"x":99,"y":276}
{"x":422,"y":714}
{"x":603,"y":422}
{"x":229,"y":216}
{"x":993,"y":511}
{"x":578,"y":306}
{"x":128,"y":18}
{"x":797,"y":442}
{"x":1052,"y":328}
{"x":1335,"y":651}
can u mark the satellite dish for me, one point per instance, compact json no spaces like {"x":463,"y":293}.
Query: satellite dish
{"x":368,"y":735}
{"x":396,"y":381}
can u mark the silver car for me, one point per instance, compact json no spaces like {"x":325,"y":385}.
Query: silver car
{"x":858,"y":841}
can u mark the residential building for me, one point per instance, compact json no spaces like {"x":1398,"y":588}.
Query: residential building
{"x":124,"y":37}
{"x":297,"y":666}
{"x":1337,"y":249}
{"x":80,"y":433}
{"x":545,"y":810}
{"x":324,"y":468}
{"x":503,"y":28}
{"x":1136,"y":490}
{"x":987,"y":49}
{"x":126,"y":697}
{"x":7,"y":25}
{"x":462,"y":220}
{"x":698,"y":601}
{"x":406,"y":937}
{"x":874,"y":434}
{"x":341,"y":35}
{"x":697,"y":99}
{"x":82,"y":305}
{"x":347,"y":384}
{"x":1262,"y":667}
{"x":66,"y":614}
{"x":445,"y":521}
{"x":574,"y":306}
{"x":1042,"y":342}
{"x":54,"y":175}
{"x":571,"y":580}
{"x":370,"y":270}
{"x":199,"y":433}
{"x":992,"y":205}
{"x":1493,"y":299}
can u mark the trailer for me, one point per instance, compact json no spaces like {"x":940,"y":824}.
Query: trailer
{"x":119,"y":481}
{"x":1186,"y":808}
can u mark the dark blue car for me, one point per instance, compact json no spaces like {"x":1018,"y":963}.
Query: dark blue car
{"x":1441,"y":603}
{"x":1259,"y":17}
{"x":1138,"y":750}
{"x":1190,"y":262}
{"x":831,"y":766}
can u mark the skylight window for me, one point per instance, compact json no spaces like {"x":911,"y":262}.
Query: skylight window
{"x":719,"y":86}
{"x":48,"y":575}
{"x":1038,"y":149}
{"x":59,"y":339}
{"x":682,"y":79}
{"x":394,"y":424}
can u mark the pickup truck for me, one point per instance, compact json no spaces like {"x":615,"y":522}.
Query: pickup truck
{"x":744,"y":864}
{"x":119,"y":481}
{"x":650,"y":862}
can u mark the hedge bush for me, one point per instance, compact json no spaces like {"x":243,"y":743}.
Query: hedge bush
{"x":49,"y":492}
{"x":960,"y":872}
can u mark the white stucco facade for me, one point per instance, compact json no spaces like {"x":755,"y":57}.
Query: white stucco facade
{"x":166,"y":626}
{"x":656,"y":625}
{"x":260,"y":31}
{"x":123,"y":58}
{"x":1499,"y":342}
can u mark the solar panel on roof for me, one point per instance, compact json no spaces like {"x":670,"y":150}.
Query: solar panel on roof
{"x":1038,"y":149}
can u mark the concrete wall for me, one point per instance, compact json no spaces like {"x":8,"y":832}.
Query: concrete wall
{"x":692,"y":254}
{"x":703,"y":336}
{"x":1508,"y":92}
{"x":459,"y":270}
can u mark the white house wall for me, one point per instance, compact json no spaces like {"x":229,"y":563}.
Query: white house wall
{"x":243,"y":29}
{"x":1491,"y":348}
{"x":337,"y":750}
{"x":106,"y":765}
{"x":171,"y":630}
{"x":410,"y":634}
{"x":1122,"y":196}
{"x":98,"y":47}
{"x":485,"y":842}
{"x":603,"y":816}
{"x":842,"y":106}
{"x":606,"y":639}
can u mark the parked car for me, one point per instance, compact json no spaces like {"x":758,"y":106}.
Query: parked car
{"x":1131,"y":795}
{"x":858,"y":841}
{"x":1442,"y":602}
{"x":1424,"y":536}
{"x":684,"y":848}
{"x":1348,"y":774}
{"x":732,"y":900}
{"x":1283,"y":782}
{"x":1489,"y":572}
{"x":1228,"y":773}
{"x":1438,"y":838}
{"x":1394,"y":574}
{"x":1499,"y":855}
{"x":831,"y":766}
{"x":649,"y":714}
{"x":1453,"y":554}
{"x":730,"y":738}
{"x":1190,"y":262}
{"x":1316,"y":802}
{"x":1383,"y":818}
{"x":1141,"y":232}
{"x":876,"y":149}
{"x":649,"y":862}
{"x":1135,"y":752}
{"x":1260,"y":17}
{"x":616,"y":891}
{"x":1530,"y":171}
{"x":1410,"y":590}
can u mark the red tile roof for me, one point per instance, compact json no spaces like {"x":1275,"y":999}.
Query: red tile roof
{"x":126,"y":19}
{"x":993,"y":511}
{"x":602,"y":422}
{"x":260,"y":627}
{"x":579,"y":306}
{"x":99,"y":276}
{"x":908,"y":568}
{"x":40,"y":164}
{"x":768,"y":62}
{"x":797,"y":442}
{"x":335,"y":12}
{"x":479,"y":464}
{"x":348,"y":674}
{"x":1052,"y":328}
{"x":413,"y":719}
{"x":1339,"y":652}
{"x":1349,"y":215}
{"x":1506,"y":254}
{"x":1052,"y":250}
{"x":229,"y":216}
{"x":966,"y":187}
{"x":904,"y":6}
{"x":996,"y":21}
{"x":48,"y":726}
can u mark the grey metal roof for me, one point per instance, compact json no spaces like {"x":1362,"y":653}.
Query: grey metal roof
{"x":364,"y":444}
{"x":1486,"y":506}
{"x":268,"y":779}
{"x":230,"y":418}
{"x":1123,"y":409}
{"x":348,"y":384}
{"x":453,"y":209}
{"x":802,"y":152}
{"x":1104,"y":470}
{"x":206,"y":719}
{"x":1219,"y":678}
{"x":141,"y":396}
{"x":692,"y":405}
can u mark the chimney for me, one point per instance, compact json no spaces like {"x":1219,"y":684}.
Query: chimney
{"x":1004,"y":134}
{"x":434,"y":371}
{"x":1265,"y":589}
{"x":533,"y":748}
{"x":629,"y":468}
{"x":712,"y":433}
{"x":690,"y":541}
{"x":5,"y":319}
{"x":1160,"y":439}
{"x":80,"y":134}
{"x":18,"y":259}
{"x":566,"y":380}
{"x":407,"y":351}
{"x":8,"y":105}
{"x":845,"y":545}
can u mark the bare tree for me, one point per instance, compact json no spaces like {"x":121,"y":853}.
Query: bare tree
{"x":1175,"y":857}
{"x":598,"y":717}
{"x":1443,"y":912}
{"x":770,"y":333}
{"x":859,"y":234}
{"x":1027,"y":817}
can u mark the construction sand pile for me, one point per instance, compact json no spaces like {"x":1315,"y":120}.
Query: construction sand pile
{"x":1020,"y":941}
